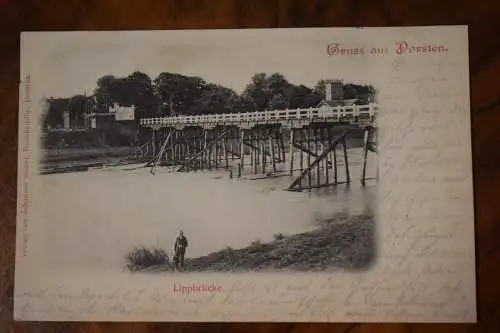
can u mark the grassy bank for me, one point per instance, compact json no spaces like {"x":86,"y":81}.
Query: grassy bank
{"x":340,"y":242}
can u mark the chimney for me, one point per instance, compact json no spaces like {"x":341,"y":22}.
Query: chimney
{"x":338,"y":90}
{"x":328,"y":91}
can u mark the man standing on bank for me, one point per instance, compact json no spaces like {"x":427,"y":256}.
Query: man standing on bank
{"x":180,"y":246}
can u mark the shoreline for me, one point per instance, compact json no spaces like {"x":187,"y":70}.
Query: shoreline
{"x":341,"y":242}
{"x":57,"y":155}
{"x":79,"y":160}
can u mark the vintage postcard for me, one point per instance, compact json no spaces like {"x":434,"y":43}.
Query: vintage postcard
{"x":291,"y":175}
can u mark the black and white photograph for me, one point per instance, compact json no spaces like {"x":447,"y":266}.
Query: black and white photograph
{"x":241,"y":175}
{"x":168,"y":167}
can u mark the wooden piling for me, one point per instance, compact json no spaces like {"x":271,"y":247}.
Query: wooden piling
{"x":309,"y":138}
{"x":365,"y":155}
{"x":212,"y":143}
{"x":212,"y":151}
{"x":209,"y":154}
{"x":276,"y":149}
{"x":153,"y":141}
{"x":252,"y":152}
{"x":257,"y":147}
{"x":242,"y":148}
{"x":327,"y":169}
{"x":215,"y":151}
{"x":323,"y":148}
{"x":172,"y":148}
{"x":231,"y":149}
{"x":201,"y":149}
{"x":335,"y":165}
{"x":195,"y":146}
{"x":278,"y":146}
{"x":182,"y":148}
{"x":157,"y":159}
{"x":346,"y":161}
{"x":316,"y":146}
{"x":220,"y":153}
{"x":187,"y":153}
{"x":281,"y":142}
{"x":290,"y":152}
{"x":273,"y":159}
{"x":263,"y":155}
{"x":216,"y":154}
{"x":301,"y":133}
{"x":177,"y":147}
{"x":297,"y":182}
{"x":224,"y":144}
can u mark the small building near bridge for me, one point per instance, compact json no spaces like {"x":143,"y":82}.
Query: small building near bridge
{"x":334,"y":95}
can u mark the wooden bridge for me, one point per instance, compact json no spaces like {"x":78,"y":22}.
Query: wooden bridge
{"x":301,"y":142}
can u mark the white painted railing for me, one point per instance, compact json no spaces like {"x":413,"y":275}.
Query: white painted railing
{"x":336,"y":113}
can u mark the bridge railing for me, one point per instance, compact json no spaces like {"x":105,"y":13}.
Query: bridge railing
{"x":336,"y":113}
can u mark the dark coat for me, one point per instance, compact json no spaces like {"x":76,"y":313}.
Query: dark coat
{"x":181,"y":243}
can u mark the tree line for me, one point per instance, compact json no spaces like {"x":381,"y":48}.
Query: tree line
{"x":171,"y":94}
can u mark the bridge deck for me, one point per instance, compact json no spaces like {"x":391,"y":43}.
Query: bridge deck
{"x":338,"y":114}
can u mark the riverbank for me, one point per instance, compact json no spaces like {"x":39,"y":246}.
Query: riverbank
{"x":342,"y":241}
{"x":83,"y":154}
{"x":82,"y":159}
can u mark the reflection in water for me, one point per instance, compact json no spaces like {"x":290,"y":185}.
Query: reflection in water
{"x":94,"y":218}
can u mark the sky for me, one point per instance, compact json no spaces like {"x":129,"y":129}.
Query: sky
{"x":62,"y":64}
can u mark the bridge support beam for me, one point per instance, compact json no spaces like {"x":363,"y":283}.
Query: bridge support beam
{"x":368,"y":145}
{"x":346,"y":161}
{"x":335,"y":170}
{"x":158,"y":158}
{"x":153,"y":141}
{"x":274,"y":149}
{"x":242,"y":149}
{"x":290,"y":150}
{"x":296,"y":185}
{"x":209,"y":151}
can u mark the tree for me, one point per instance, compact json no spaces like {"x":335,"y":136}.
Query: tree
{"x":278,"y":102}
{"x":244,"y":103}
{"x":55,"y":110}
{"x":175,"y":94}
{"x":275,"y":92}
{"x":178,"y":92}
{"x":103,"y":93}
{"x":141,"y":93}
{"x":277,"y":84}
{"x":215,"y":99}
{"x":136,"y":89}
{"x":303,"y":97}
{"x":78,"y":106}
{"x":257,"y":90}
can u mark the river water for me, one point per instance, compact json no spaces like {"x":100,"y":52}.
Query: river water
{"x":93,"y":219}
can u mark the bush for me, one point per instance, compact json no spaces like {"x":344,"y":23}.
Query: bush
{"x":279,"y":236}
{"x":140,"y":258}
{"x":256,"y":242}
